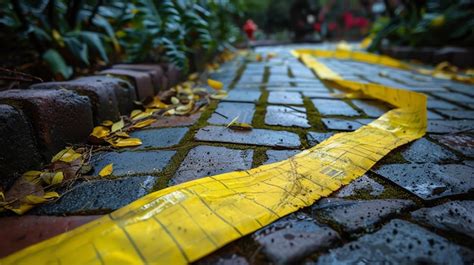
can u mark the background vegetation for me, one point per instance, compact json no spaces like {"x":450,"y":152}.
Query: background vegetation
{"x":74,"y":36}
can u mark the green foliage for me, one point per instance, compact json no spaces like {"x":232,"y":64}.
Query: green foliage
{"x":427,"y":23}
{"x":85,"y":33}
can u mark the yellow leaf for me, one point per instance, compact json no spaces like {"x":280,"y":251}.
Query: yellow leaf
{"x":100,"y":132}
{"x":32,"y":176}
{"x":66,"y":155}
{"x":156,"y":103}
{"x":122,"y":134}
{"x":175,"y":100}
{"x":193,"y":76}
{"x":240,"y":126}
{"x":232,"y":121}
{"x":170,"y":112}
{"x":127,"y":142}
{"x":142,"y":115}
{"x":215,"y":84}
{"x":33,"y":199}
{"x":117,"y":126}
{"x":135,"y":112}
{"x":2,"y":195}
{"x":144,"y":123}
{"x":107,"y":170}
{"x":107,"y":123}
{"x":58,"y":178}
{"x":58,"y":38}
{"x":51,"y":195}
{"x":24,"y":207}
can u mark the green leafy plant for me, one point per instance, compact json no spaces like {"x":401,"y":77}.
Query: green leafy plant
{"x":427,"y":23}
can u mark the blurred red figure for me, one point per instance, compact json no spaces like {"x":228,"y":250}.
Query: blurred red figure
{"x":250,"y":27}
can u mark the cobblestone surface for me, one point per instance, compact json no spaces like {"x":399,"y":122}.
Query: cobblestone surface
{"x":428,"y":183}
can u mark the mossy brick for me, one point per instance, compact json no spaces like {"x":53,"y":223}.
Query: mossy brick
{"x":132,"y":163}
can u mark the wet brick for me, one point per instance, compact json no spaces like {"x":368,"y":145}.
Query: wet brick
{"x":243,"y":96}
{"x":159,"y":138}
{"x":399,"y":242}
{"x":99,"y":196}
{"x":231,"y":110}
{"x":462,"y":143}
{"x":449,"y":126}
{"x":22,"y":231}
{"x":160,"y":82}
{"x":344,"y":125}
{"x":102,"y":96}
{"x":372,"y":108}
{"x":142,"y":80}
{"x":362,"y":184}
{"x":176,"y":121}
{"x":456,"y":97}
{"x":19,"y":152}
{"x":279,"y":155}
{"x":334,"y":107}
{"x":458,"y":114}
{"x":285,"y":116}
{"x":293,"y":98}
{"x":424,"y":151}
{"x":253,"y":137}
{"x":451,"y":216}
{"x":203,"y":161}
{"x":59,"y":117}
{"x":293,"y":238}
{"x":430,"y":181}
{"x":354,"y":215}
{"x":441,"y":104}
{"x":132,"y":163}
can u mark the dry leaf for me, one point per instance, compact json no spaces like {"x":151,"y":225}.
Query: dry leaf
{"x":240,"y":126}
{"x":174,"y":100}
{"x":117,"y":126}
{"x":157,"y":103}
{"x":100,"y":132}
{"x":122,"y":134}
{"x":127,"y":142}
{"x":32,"y":176}
{"x":193,"y":76}
{"x":66,"y":155}
{"x":107,"y":170}
{"x":142,"y":115}
{"x":2,"y":196}
{"x":135,"y":113}
{"x":144,"y":123}
{"x":107,"y":123}
{"x":215,"y":84}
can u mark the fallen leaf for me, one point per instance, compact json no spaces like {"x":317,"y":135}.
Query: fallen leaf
{"x":20,"y":209}
{"x":100,"y":132}
{"x":32,"y":176}
{"x":58,"y":178}
{"x":117,"y":126}
{"x":174,"y":100}
{"x":2,"y":195}
{"x":127,"y":142}
{"x":144,"y":123}
{"x":157,"y":103}
{"x":217,"y":85}
{"x":66,"y":155}
{"x":122,"y":134}
{"x":135,"y":113}
{"x":193,"y":76}
{"x":240,"y":126}
{"x":232,"y":121}
{"x":142,"y":115}
{"x":107,"y":170}
{"x":107,"y":123}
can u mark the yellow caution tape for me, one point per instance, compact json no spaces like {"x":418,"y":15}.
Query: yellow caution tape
{"x":183,"y":223}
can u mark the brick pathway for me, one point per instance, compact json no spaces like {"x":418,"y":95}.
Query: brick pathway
{"x":415,"y":206}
